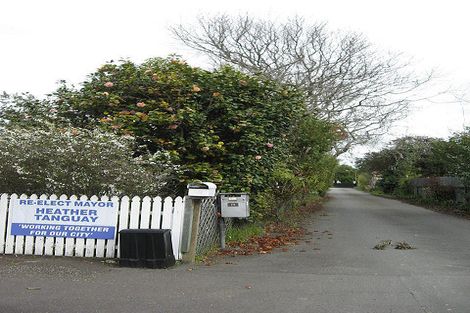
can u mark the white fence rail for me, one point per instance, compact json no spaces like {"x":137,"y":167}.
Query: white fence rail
{"x":141,"y":213}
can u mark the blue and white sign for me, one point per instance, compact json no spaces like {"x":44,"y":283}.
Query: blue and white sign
{"x":64,"y":218}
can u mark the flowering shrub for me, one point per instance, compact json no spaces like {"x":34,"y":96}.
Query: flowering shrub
{"x":243,"y":132}
{"x":221,"y":126}
{"x":75,"y":161}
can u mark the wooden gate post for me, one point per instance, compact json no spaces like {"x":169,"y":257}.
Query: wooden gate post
{"x":190,"y":256}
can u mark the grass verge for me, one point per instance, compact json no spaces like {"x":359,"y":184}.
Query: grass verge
{"x":256,"y":238}
{"x":243,"y":233}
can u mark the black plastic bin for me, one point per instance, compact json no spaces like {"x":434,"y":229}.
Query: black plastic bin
{"x":146,"y":248}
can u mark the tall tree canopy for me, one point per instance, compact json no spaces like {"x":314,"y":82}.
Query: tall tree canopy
{"x":345,"y":80}
{"x":243,"y":132}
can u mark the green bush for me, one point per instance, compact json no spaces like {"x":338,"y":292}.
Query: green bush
{"x":345,"y":174}
{"x":363,"y":181}
{"x":76,"y":161}
{"x":221,"y":126}
{"x":243,"y":132}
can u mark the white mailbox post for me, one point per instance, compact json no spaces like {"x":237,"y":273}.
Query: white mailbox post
{"x":196,"y":192}
{"x":201,"y":190}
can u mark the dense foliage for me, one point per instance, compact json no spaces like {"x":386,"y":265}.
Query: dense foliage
{"x":221,"y":126}
{"x":308,"y":170}
{"x":75,"y":161}
{"x":243,"y":132}
{"x":411,"y":157}
{"x":345,"y":174}
{"x":346,"y":79}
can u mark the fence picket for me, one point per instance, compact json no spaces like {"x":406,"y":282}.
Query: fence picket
{"x":90,"y":243}
{"x":156,"y":213}
{"x":123,"y":218}
{"x":111,"y":243}
{"x":135,"y":212}
{"x":9,"y":242}
{"x":70,"y":242}
{"x":3,"y":220}
{"x":176,"y":227}
{"x":29,"y":240}
{"x":19,"y":240}
{"x":60,"y":241}
{"x":167,"y":213}
{"x":100,"y":243}
{"x":145,"y":213}
{"x":39,"y":241}
{"x":80,"y":242}
{"x":142,"y":213}
{"x":49,"y":241}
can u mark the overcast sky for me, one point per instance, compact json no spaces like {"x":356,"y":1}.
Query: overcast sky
{"x":44,"y":41}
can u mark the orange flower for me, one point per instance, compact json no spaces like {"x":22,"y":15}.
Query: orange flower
{"x":106,"y":119}
{"x":196,"y":88}
{"x":108,"y":84}
{"x":140,"y":104}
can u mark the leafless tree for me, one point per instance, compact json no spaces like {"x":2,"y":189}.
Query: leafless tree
{"x":345,"y":80}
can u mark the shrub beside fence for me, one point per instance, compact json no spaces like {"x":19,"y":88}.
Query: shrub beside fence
{"x":439,"y":188}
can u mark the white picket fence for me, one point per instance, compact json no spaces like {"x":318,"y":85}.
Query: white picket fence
{"x":145,"y":213}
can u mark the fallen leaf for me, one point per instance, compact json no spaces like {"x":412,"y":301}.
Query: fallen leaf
{"x":382,"y":245}
{"x":403,"y":245}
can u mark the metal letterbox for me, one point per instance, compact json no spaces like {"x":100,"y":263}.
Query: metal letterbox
{"x":234,"y":205}
{"x":201,"y":190}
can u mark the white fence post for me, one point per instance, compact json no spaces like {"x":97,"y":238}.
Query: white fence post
{"x":70,"y":242}
{"x":112,"y":243}
{"x":49,"y":241}
{"x":177,"y":227}
{"x":60,"y":241}
{"x":156,"y":213}
{"x":9,"y":241}
{"x":19,"y":240}
{"x":101,"y":243}
{"x":3,"y":220}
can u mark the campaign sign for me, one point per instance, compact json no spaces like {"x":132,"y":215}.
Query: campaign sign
{"x":64,"y":218}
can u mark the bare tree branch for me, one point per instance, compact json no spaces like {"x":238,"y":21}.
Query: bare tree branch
{"x":345,"y":80}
